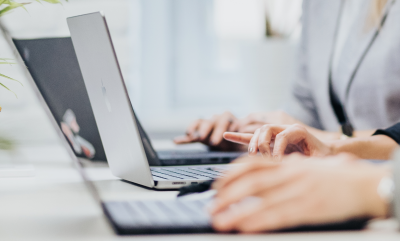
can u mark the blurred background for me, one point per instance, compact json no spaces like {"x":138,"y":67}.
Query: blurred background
{"x":181,"y":59}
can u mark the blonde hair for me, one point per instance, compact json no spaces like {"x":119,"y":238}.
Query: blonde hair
{"x":375,"y":13}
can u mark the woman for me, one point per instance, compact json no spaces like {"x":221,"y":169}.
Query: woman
{"x":348,"y":71}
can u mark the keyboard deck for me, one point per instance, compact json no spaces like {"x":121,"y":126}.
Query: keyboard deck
{"x":152,"y":215}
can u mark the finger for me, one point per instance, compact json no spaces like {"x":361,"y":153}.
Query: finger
{"x":251,"y":128}
{"x":250,"y":184}
{"x":220,"y":127}
{"x":239,"y":138}
{"x":205,"y":129}
{"x":238,"y":171}
{"x":193,"y":127}
{"x":291,"y":135}
{"x":234,"y":126}
{"x":253,"y":145}
{"x":264,"y":141}
{"x":244,"y":211}
{"x":182,"y":139}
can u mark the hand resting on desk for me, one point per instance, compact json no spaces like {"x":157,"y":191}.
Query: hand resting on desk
{"x":264,"y":196}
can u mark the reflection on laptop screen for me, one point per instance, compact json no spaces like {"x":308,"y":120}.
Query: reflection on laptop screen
{"x":54,"y":67}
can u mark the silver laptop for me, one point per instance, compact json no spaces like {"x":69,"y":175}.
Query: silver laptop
{"x":128,"y":150}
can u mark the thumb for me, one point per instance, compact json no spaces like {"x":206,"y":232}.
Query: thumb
{"x":240,"y":138}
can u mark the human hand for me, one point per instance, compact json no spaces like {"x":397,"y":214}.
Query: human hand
{"x":255,"y":120}
{"x":276,"y":140}
{"x":263,"y":196}
{"x":209,"y":131}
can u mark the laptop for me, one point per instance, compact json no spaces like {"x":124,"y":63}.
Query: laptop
{"x":180,"y":215}
{"x":135,"y":217}
{"x":128,"y":149}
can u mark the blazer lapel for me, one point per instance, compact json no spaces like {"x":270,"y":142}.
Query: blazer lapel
{"x":355,"y":47}
{"x":325,"y":16}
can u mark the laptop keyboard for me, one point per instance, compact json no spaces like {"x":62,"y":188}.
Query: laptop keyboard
{"x":184,"y":173}
{"x":153,"y":213}
{"x":171,"y":158}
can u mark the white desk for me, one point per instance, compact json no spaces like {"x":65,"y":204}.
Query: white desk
{"x":55,"y":205}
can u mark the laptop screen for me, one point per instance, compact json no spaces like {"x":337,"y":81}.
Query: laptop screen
{"x":54,"y":67}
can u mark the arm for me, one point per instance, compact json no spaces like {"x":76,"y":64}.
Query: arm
{"x":373,"y":147}
{"x":380,"y":146}
{"x":276,"y":140}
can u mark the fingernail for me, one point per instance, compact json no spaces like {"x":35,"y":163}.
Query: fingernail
{"x":251,"y":149}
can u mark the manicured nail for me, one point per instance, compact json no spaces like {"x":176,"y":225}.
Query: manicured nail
{"x":251,"y":149}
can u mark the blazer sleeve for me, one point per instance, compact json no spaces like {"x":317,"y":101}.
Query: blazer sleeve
{"x":392,"y":132}
{"x":301,"y":104}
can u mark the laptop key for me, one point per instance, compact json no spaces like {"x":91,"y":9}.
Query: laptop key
{"x":195,"y":172}
{"x":155,"y":216}
{"x":167,"y":177}
{"x":166,"y":174}
{"x":205,"y":170}
{"x":184,"y":214}
{"x":120,"y":214}
{"x":187,"y":174}
{"x":167,"y":171}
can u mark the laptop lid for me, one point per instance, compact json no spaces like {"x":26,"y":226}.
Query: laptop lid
{"x":90,"y":185}
{"x":53,"y":65}
{"x":108,"y":96}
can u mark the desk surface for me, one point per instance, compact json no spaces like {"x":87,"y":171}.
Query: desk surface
{"x":55,"y":205}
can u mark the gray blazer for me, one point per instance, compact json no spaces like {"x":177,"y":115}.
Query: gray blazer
{"x":374,"y":97}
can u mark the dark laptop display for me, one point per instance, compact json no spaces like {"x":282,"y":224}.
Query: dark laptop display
{"x":54,"y":67}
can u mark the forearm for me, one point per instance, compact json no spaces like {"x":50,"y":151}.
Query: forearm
{"x":372,"y":147}
{"x":329,"y":135}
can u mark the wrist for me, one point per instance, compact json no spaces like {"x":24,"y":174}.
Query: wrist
{"x":334,"y":147}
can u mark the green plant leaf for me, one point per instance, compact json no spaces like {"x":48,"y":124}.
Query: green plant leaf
{"x":5,"y":76}
{"x":6,"y":144}
{"x":11,"y":6}
{"x":8,"y":89}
